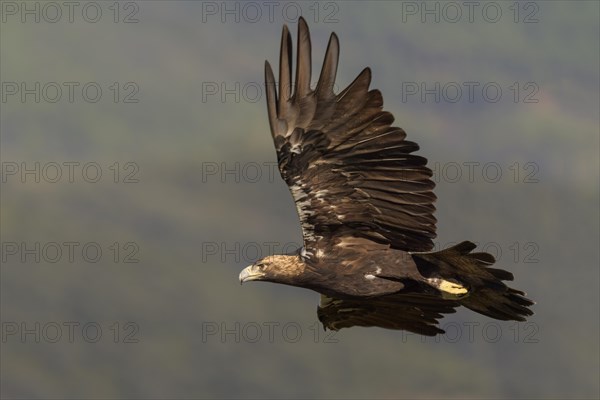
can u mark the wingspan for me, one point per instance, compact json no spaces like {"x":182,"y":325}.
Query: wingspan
{"x":350,"y":172}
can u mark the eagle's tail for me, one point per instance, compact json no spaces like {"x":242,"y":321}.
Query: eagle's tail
{"x":466,"y":277}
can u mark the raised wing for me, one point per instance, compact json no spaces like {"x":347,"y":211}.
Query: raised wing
{"x":350,"y":172}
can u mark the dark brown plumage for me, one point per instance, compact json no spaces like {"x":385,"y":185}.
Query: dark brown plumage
{"x":365,"y":203}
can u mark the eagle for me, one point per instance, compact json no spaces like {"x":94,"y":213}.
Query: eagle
{"x":365,"y":203}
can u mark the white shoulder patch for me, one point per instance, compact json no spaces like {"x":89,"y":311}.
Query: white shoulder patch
{"x":304,"y":253}
{"x":373,"y":276}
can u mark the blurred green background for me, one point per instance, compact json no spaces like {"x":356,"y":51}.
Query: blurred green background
{"x":177,"y":324}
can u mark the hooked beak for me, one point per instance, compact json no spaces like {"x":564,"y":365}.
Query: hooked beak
{"x":250,"y":273}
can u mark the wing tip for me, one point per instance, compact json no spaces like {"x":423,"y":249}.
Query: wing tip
{"x":303,"y":60}
{"x":333,"y":45}
{"x":302,"y":22}
{"x":334,"y":38}
{"x":268,"y":66}
{"x":368,"y":76}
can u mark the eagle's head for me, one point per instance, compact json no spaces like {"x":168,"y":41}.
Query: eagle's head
{"x":277,"y":268}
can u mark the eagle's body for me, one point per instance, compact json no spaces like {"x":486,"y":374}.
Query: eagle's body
{"x":356,"y":272}
{"x":365,"y":204}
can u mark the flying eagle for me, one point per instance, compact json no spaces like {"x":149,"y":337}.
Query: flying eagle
{"x":365,"y":203}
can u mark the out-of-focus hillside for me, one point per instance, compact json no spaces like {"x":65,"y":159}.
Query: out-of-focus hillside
{"x":194,"y":332}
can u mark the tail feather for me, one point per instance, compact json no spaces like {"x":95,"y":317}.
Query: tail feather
{"x":486,"y":292}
